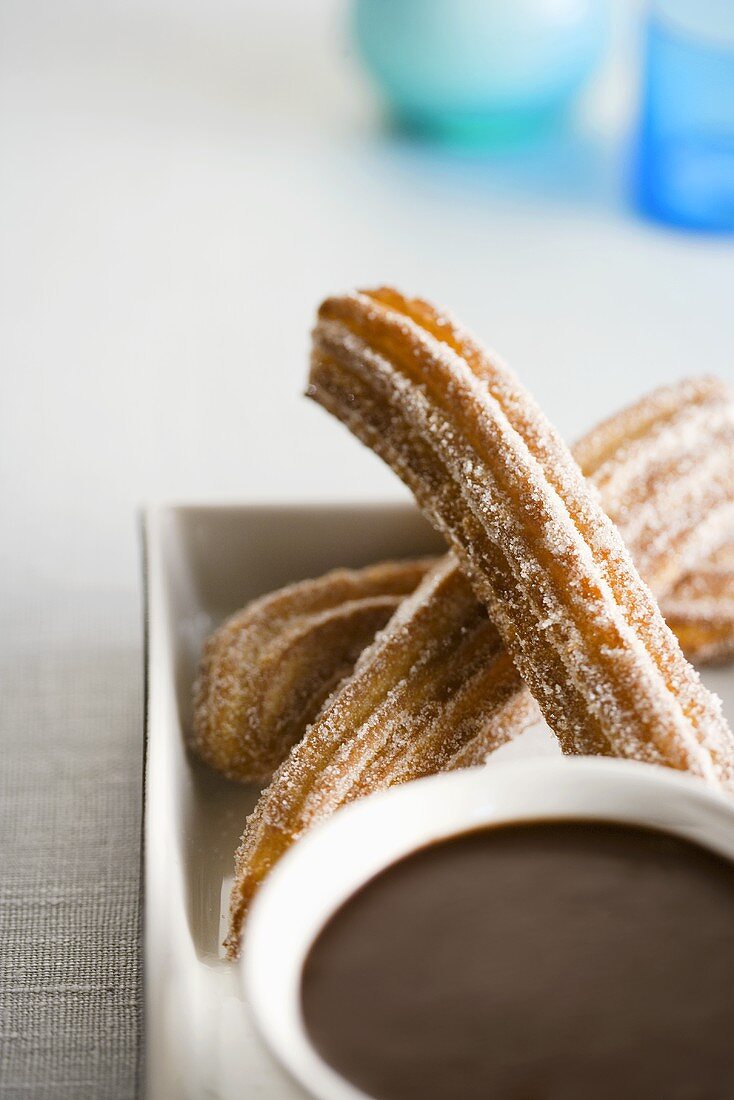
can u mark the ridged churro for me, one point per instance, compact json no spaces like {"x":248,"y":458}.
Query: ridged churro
{"x":495,"y":478}
{"x":268,"y":669}
{"x":664,"y":469}
{"x":700,"y":609}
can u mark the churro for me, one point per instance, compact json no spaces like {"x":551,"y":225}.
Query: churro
{"x":665,"y":472}
{"x":664,"y":469}
{"x":700,"y":609}
{"x":494,"y":477}
{"x":267,"y":670}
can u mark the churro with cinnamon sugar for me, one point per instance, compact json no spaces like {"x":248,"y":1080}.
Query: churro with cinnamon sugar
{"x":267,"y":670}
{"x":495,"y":478}
{"x":700,"y":609}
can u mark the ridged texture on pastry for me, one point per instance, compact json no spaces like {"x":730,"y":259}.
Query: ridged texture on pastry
{"x":266,"y":672}
{"x":495,"y":478}
{"x":700,"y":609}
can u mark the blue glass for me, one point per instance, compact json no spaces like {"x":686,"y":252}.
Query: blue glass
{"x":685,"y":165}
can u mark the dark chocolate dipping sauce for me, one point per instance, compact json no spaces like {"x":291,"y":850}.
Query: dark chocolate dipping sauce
{"x":564,"y":960}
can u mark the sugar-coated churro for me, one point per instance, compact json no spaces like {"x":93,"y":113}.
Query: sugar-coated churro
{"x":664,"y":469}
{"x":491,"y":474}
{"x":266,"y":671}
{"x":700,"y":609}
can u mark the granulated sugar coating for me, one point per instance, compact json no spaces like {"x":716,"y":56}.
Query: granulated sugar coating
{"x":266,"y":672}
{"x":493,"y":475}
{"x":701,"y":608}
{"x":664,"y":469}
{"x":268,"y":669}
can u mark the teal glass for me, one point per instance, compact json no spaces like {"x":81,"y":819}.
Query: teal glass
{"x":685,"y":152}
{"x":476,"y":70}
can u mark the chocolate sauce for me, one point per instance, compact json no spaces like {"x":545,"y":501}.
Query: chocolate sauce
{"x":559,"y":960}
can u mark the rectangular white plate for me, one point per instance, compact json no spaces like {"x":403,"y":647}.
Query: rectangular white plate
{"x":202,"y":564}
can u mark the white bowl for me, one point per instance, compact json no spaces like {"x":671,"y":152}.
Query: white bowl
{"x":328,"y":865}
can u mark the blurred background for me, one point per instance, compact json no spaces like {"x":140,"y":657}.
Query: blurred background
{"x":183,"y":181}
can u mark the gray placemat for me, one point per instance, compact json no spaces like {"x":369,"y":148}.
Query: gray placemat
{"x":70,"y":804}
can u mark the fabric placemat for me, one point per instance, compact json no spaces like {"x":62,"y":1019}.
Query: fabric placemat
{"x":70,"y":805}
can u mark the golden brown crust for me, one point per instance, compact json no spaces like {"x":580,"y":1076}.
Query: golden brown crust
{"x":496,"y":479}
{"x":700,"y":609}
{"x":266,"y":672}
{"x":664,"y":469}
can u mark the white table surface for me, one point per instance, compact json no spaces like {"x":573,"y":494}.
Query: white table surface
{"x":181,"y":183}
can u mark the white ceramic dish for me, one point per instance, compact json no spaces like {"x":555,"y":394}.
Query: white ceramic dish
{"x":321,"y":872}
{"x":202,"y":564}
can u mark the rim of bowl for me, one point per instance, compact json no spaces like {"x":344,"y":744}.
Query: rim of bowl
{"x":328,"y":865}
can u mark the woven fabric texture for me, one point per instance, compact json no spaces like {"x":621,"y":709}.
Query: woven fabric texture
{"x":70,"y":804}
